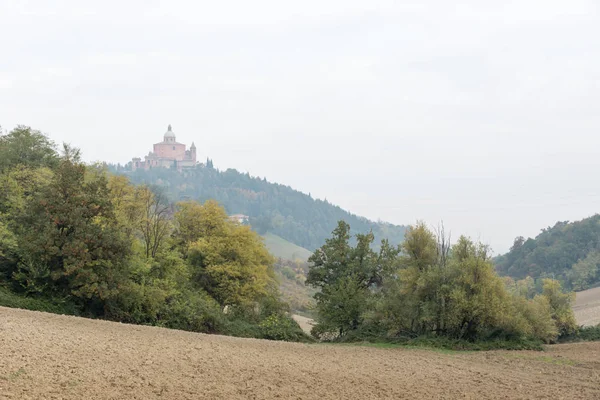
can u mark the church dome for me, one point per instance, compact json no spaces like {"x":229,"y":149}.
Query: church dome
{"x":169,"y":133}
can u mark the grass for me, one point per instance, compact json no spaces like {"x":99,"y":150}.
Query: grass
{"x":281,"y":248}
{"x":444,"y":344}
{"x":385,"y":346}
{"x":14,"y":300}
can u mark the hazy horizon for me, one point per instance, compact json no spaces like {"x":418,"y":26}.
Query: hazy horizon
{"x":483,"y":115}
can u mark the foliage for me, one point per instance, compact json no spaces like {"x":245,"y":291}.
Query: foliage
{"x":428,"y":288}
{"x":108,"y":249}
{"x":14,"y":300}
{"x":281,"y":327}
{"x":196,"y":312}
{"x":228,"y":260}
{"x":344,"y":275}
{"x":583,"y":334}
{"x":568,"y":252}
{"x":560,"y":304}
{"x":69,"y":243}
{"x":26,"y":147}
{"x":278,"y":209}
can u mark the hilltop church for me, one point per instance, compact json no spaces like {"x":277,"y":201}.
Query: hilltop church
{"x":167,"y":154}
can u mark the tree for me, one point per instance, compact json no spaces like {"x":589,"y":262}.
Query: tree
{"x":27,"y":147}
{"x":564,"y":252}
{"x":195,"y":221}
{"x":585,"y":272}
{"x":69,"y":242}
{"x":346,"y":277}
{"x":8,"y":249}
{"x":129,"y":208}
{"x":154,"y":225}
{"x":420,"y":247}
{"x":560,"y":304}
{"x":479,"y":300}
{"x":229,"y":261}
{"x":410,"y":299}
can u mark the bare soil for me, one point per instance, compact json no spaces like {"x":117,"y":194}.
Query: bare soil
{"x":46,"y":356}
{"x":587,"y":307}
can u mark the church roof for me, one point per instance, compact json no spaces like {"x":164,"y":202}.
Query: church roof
{"x":169,"y":133}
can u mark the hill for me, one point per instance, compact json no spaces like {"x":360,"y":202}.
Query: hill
{"x":275,"y":208}
{"x":54,"y":356}
{"x":281,"y":248}
{"x":568,"y":251}
{"x":291,"y":276}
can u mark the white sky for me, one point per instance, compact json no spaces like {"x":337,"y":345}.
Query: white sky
{"x":484,"y":114}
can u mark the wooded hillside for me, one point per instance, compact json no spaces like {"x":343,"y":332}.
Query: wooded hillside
{"x":568,"y":251}
{"x":275,"y":208}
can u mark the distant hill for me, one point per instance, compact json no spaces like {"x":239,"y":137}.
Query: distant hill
{"x":568,"y":251}
{"x":274,"y":208}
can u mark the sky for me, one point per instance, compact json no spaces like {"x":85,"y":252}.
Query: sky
{"x":482,"y":114}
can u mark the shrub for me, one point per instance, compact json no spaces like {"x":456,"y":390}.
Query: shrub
{"x":193,"y":311}
{"x":281,"y":327}
{"x":582,"y":334}
{"x":241,"y":328}
{"x":14,"y":300}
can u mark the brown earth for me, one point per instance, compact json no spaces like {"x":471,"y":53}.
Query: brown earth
{"x":587,"y":307}
{"x":46,"y":356}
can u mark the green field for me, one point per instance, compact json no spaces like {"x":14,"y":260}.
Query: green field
{"x":281,"y":248}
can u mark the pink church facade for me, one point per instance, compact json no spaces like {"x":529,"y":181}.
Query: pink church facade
{"x":167,"y":154}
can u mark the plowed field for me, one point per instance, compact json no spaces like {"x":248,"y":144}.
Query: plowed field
{"x":45,"y":356}
{"x":587,"y":307}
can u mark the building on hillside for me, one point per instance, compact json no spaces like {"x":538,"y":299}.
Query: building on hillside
{"x":239,"y":218}
{"x":167,"y":154}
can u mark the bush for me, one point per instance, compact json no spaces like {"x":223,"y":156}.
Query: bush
{"x":239,"y":327}
{"x":288,"y":273}
{"x":582,"y":334}
{"x":14,"y":300}
{"x":196,"y":312}
{"x":281,"y":327}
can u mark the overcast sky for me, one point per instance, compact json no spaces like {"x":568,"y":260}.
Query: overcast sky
{"x":483,"y":114}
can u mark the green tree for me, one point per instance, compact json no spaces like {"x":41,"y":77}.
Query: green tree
{"x":69,"y":242}
{"x":27,"y":147}
{"x":346,"y":276}
{"x":8,"y":249}
{"x":565,"y":251}
{"x":585,"y":272}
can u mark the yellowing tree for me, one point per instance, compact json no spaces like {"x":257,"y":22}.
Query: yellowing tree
{"x":560,"y":304}
{"x":227,"y":260}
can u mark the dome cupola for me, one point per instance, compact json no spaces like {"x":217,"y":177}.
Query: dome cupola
{"x":169,"y":135}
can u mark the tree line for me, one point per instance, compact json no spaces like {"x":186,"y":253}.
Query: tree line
{"x":567,"y":251}
{"x":103,"y":247}
{"x":427,"y":287}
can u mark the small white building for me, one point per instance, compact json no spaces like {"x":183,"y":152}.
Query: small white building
{"x":239,"y":218}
